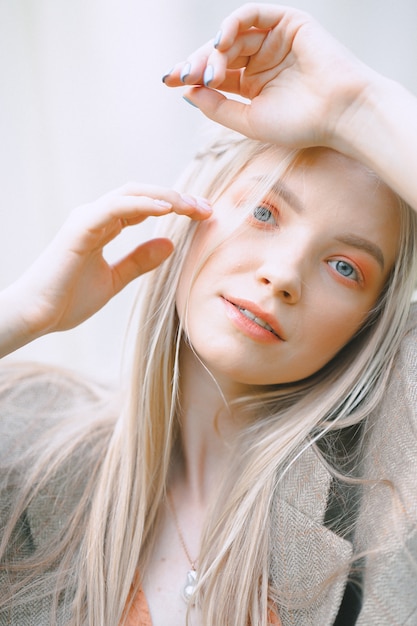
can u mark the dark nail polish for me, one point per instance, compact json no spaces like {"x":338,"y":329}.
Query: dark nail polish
{"x":208,"y":75}
{"x":165,"y":76}
{"x":189,"y":102}
{"x":185,"y":72}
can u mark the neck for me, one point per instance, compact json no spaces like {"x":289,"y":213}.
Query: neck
{"x":208,"y":429}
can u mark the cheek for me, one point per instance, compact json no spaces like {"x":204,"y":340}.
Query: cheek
{"x":207,"y":247}
{"x":322,"y":336}
{"x":195,"y":262}
{"x":332,"y":331}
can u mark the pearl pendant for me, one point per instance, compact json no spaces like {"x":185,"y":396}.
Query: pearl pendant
{"x":190,"y":583}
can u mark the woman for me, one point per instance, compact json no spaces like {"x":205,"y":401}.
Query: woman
{"x":240,"y":468}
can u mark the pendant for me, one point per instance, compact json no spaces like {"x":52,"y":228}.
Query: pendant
{"x":190,"y":583}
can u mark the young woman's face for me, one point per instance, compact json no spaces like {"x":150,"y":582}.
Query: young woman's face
{"x":294,"y":276}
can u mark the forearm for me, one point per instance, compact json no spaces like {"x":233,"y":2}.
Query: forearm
{"x":382,"y":134}
{"x":14,"y":333}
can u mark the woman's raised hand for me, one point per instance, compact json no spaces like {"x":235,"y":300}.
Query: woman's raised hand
{"x":299,"y":80}
{"x":71,"y":280}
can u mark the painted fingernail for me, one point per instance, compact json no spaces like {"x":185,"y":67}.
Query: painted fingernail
{"x":208,"y":75}
{"x":204,"y":204}
{"x":189,"y":102}
{"x":217,"y":38}
{"x":185,"y":72}
{"x":163,"y":204}
{"x":165,"y":76}
{"x":189,"y":200}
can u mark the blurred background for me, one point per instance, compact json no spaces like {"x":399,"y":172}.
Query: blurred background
{"x":83,"y":110}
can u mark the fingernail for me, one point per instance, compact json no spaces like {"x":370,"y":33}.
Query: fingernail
{"x":185,"y":72}
{"x":189,"y":200}
{"x":204,"y":204}
{"x":165,"y":76}
{"x":163,"y":204}
{"x":208,"y":75}
{"x":189,"y":102}
{"x":217,"y":38}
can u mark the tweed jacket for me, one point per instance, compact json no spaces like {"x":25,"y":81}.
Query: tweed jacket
{"x":308,"y":550}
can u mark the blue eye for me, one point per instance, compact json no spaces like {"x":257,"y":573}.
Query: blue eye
{"x":344,"y":269}
{"x":263,"y":214}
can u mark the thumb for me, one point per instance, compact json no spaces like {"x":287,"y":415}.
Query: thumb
{"x":144,"y":258}
{"x":220,"y":109}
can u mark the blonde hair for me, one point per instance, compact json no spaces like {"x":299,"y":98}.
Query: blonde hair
{"x":110,"y":531}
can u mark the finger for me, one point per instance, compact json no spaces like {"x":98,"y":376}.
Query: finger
{"x":127,"y":210}
{"x":219,"y":64}
{"x":217,"y":107}
{"x":110,"y":213}
{"x":196,"y":70}
{"x":259,"y":16}
{"x":232,"y":83}
{"x":193,"y":206}
{"x":143,"y":259}
{"x":252,"y":15}
{"x":191,"y":70}
{"x":133,"y":210}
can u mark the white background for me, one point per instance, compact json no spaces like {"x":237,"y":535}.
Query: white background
{"x":83,"y":110}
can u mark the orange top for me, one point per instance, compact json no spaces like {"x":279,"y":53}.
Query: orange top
{"x":139,"y":614}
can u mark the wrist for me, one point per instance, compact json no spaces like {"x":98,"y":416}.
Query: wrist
{"x":15,"y":331}
{"x":356,"y":113}
{"x":380,"y":131}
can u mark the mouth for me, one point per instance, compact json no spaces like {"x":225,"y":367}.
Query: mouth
{"x":256,"y":315}
{"x":257,"y":320}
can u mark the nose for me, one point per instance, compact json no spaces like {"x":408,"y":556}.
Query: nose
{"x":281,"y":271}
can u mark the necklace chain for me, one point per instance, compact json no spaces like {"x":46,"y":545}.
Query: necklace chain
{"x":191,"y":561}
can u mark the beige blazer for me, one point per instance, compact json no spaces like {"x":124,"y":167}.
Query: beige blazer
{"x":306,"y":550}
{"x":311,"y":551}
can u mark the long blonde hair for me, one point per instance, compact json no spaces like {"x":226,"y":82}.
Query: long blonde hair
{"x":95,"y":558}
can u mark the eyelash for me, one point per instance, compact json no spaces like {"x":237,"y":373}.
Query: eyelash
{"x":358,"y":276}
{"x":265,"y":208}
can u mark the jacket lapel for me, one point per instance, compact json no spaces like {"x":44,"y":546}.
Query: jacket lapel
{"x":306,"y":555}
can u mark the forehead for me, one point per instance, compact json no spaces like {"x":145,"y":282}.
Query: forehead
{"x":318,"y":168}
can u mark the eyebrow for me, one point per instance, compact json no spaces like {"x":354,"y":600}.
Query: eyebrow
{"x":281,"y":189}
{"x":364,"y":244}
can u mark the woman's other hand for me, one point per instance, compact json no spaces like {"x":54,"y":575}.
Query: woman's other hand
{"x":71,"y":280}
{"x":300,"y":82}
{"x":304,"y":89}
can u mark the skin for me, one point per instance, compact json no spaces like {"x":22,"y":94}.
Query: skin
{"x":293,"y":260}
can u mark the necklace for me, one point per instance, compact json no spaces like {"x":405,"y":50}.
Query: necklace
{"x":191,"y":578}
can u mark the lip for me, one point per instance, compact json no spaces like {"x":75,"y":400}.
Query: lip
{"x":250,"y":327}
